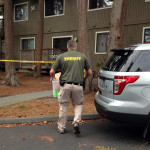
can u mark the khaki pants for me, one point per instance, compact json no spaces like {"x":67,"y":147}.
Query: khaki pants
{"x":75,"y":92}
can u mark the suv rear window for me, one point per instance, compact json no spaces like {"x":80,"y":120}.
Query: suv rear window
{"x":128,"y":61}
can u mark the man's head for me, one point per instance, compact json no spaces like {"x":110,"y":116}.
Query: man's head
{"x":71,"y":45}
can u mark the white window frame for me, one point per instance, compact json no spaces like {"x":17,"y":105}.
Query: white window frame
{"x":55,"y":15}
{"x":147,"y":0}
{"x":97,"y":8}
{"x":15,"y":12}
{"x":26,"y":38}
{"x":143,"y":33}
{"x":58,"y":37}
{"x":96,"y":41}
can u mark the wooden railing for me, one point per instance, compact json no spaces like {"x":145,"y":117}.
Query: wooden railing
{"x":48,"y":54}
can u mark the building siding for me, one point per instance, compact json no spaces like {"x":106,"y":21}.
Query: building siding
{"x":138,"y":12}
{"x":138,"y":16}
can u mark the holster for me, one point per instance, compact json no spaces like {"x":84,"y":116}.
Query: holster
{"x":83,"y":85}
{"x":61,"y":82}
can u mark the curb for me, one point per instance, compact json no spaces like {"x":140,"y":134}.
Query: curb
{"x":42,"y":119}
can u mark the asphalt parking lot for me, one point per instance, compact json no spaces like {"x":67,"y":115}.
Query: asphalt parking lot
{"x":95,"y":135}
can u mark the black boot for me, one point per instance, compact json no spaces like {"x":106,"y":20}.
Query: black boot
{"x":76,"y":128}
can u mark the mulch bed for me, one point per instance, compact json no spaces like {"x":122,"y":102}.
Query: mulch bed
{"x":40,"y":107}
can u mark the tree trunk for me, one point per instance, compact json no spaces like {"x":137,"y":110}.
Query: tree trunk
{"x":122,"y":22}
{"x":83,"y":45}
{"x":82,"y":27}
{"x":117,"y":21}
{"x":39,"y":42}
{"x":11,"y":77}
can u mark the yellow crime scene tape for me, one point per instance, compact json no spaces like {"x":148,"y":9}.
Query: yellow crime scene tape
{"x":25,"y":61}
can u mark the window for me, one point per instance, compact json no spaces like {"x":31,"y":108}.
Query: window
{"x":101,"y":42}
{"x":28,"y":43}
{"x":146,"y":35}
{"x":147,"y":0}
{"x":128,"y":61}
{"x":61,"y":42}
{"x":95,"y":4}
{"x":21,"y":12}
{"x":54,"y":7}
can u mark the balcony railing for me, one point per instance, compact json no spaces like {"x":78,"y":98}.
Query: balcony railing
{"x":48,"y":54}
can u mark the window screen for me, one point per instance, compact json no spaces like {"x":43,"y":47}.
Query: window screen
{"x":102,"y":42}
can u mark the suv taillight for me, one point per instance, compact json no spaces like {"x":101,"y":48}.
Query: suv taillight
{"x":121,"y":81}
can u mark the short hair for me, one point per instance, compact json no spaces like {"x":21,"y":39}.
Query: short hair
{"x":71,"y":44}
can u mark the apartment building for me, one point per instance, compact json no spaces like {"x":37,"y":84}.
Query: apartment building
{"x":61,"y":24}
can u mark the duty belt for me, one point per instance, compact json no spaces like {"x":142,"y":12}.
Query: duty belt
{"x":75,"y":83}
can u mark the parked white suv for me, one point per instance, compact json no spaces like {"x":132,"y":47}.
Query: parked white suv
{"x":124,"y":85}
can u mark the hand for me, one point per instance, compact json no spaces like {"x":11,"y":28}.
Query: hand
{"x":51,"y":79}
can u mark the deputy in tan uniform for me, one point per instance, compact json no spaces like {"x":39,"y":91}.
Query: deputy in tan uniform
{"x":71,"y":64}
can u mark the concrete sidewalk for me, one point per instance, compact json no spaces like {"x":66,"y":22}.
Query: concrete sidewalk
{"x":9,"y":100}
